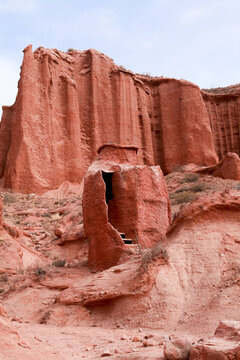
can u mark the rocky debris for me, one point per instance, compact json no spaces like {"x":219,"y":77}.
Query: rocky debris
{"x":227,"y":168}
{"x":73,"y":233}
{"x":177,"y":349}
{"x":224,"y":345}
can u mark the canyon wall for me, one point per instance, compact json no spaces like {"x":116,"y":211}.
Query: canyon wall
{"x":224,"y":115}
{"x":70,"y":104}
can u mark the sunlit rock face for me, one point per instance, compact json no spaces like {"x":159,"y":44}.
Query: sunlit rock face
{"x":121,"y":197}
{"x":69,"y":104}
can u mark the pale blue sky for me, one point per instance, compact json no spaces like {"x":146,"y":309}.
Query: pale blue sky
{"x":198,"y":40}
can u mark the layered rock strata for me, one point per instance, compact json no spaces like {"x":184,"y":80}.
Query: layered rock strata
{"x":224,"y":114}
{"x":69,"y":104}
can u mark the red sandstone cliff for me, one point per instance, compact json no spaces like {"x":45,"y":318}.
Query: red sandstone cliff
{"x":69,"y":104}
{"x":224,"y":114}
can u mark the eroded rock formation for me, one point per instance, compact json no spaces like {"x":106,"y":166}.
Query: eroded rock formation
{"x":224,"y":114}
{"x":69,"y":104}
{"x":227,"y":168}
{"x":122,"y":197}
{"x":223,"y":345}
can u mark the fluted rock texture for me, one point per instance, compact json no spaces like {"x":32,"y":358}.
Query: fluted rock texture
{"x":69,"y":104}
{"x":224,"y":114}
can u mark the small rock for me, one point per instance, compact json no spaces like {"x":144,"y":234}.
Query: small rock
{"x":148,"y":343}
{"x":124,"y":337}
{"x":177,"y":349}
{"x":136,"y":339}
{"x":106,"y":353}
{"x":140,"y":330}
{"x":116,"y":351}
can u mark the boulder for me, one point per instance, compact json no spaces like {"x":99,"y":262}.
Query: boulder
{"x":224,"y":345}
{"x":177,"y":349}
{"x":227,"y":168}
{"x":75,"y":232}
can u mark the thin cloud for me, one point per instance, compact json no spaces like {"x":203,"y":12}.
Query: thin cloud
{"x":207,"y":10}
{"x":19,"y":6}
{"x":91,"y":24}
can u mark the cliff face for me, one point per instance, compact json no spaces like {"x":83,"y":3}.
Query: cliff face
{"x":69,"y":104}
{"x":224,"y":114}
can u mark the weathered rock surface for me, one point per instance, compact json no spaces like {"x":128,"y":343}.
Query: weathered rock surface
{"x":223,"y":111}
{"x":15,"y":253}
{"x":69,"y":104}
{"x":195,"y":286}
{"x":10,"y":342}
{"x":113,"y":283}
{"x":120,"y":197}
{"x":224,"y":345}
{"x":73,"y":233}
{"x":227,"y":168}
{"x":198,"y":285}
{"x":177,"y":349}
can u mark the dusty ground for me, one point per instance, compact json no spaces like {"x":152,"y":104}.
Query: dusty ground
{"x":28,"y":293}
{"x":75,"y":343}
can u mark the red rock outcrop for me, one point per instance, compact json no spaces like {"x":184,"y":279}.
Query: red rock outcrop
{"x":121,"y":197}
{"x":69,"y":104}
{"x":223,"y":345}
{"x":227,"y":168}
{"x":224,"y":113}
{"x":177,"y":349}
{"x":199,"y":284}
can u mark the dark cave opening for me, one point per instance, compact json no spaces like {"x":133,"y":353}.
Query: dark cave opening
{"x":107,"y":177}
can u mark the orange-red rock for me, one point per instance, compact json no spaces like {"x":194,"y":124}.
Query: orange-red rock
{"x":223,"y":345}
{"x":121,"y":197}
{"x":223,"y":111}
{"x":9,"y":338}
{"x":227,"y":168}
{"x":0,"y":212}
{"x":69,"y":104}
{"x":177,"y":349}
